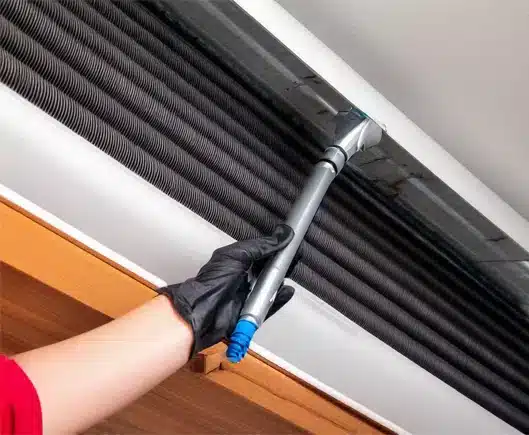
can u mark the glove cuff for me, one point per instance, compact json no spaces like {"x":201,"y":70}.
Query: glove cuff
{"x":183,"y":308}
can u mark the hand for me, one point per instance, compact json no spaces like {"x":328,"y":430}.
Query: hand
{"x":211,"y":302}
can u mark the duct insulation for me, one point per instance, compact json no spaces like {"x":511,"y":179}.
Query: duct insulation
{"x":148,"y":95}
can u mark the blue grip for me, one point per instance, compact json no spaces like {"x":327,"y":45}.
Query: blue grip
{"x":240,"y":340}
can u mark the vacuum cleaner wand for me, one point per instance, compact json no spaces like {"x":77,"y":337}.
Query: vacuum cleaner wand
{"x":352,"y":135}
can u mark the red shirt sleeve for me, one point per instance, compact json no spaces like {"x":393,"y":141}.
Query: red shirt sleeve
{"x":20,"y":411}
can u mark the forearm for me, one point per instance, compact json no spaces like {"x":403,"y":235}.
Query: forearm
{"x":89,"y":377}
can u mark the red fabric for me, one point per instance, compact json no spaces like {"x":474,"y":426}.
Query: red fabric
{"x":20,"y":411}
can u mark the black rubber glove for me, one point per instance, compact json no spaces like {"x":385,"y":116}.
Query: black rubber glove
{"x":212,"y":301}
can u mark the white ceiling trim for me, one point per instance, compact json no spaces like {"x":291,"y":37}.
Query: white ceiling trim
{"x":52,"y":168}
{"x":81,"y":237}
{"x":52,"y":171}
{"x":93,"y":244}
{"x":332,"y":68}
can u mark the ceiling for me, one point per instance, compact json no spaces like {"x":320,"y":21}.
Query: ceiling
{"x":459,"y":70}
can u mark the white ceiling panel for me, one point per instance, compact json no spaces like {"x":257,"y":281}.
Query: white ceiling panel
{"x":458,"y":69}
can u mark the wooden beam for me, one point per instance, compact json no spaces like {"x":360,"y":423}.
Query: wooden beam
{"x":62,"y":264}
{"x":209,"y":359}
{"x":269,"y":401}
{"x":35,"y":315}
{"x":68,"y":266}
{"x":74,"y":241}
{"x":287,"y":390}
{"x":281,"y":393}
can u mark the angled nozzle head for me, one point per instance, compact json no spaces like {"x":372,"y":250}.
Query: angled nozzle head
{"x":354,"y":133}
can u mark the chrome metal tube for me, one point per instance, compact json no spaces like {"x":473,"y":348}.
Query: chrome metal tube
{"x":300,"y":217}
{"x":351,"y":136}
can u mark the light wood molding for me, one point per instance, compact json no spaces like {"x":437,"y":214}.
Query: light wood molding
{"x":286,"y":409}
{"x":281,"y":393}
{"x":35,"y":315}
{"x":286,"y":389}
{"x":66,"y":265}
{"x":63,"y":264}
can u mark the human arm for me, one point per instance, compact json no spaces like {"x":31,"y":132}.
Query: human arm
{"x":86,"y":378}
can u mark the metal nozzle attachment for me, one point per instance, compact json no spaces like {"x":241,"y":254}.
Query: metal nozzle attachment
{"x":354,"y":134}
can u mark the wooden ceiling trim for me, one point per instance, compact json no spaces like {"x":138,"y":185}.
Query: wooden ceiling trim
{"x":66,"y":265}
{"x":61,"y":263}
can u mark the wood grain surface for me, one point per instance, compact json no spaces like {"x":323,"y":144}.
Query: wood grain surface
{"x":296,"y":396}
{"x":53,"y":287}
{"x":33,"y":315}
{"x":283,"y":394}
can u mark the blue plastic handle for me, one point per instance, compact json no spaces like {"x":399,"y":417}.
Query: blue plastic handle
{"x":240,"y":340}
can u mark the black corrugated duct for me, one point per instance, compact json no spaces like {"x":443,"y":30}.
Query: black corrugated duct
{"x":142,"y":92}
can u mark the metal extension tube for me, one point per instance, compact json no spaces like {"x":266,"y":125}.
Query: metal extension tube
{"x":351,"y":136}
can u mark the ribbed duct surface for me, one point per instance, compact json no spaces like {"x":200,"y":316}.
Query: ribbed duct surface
{"x":143,"y":93}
